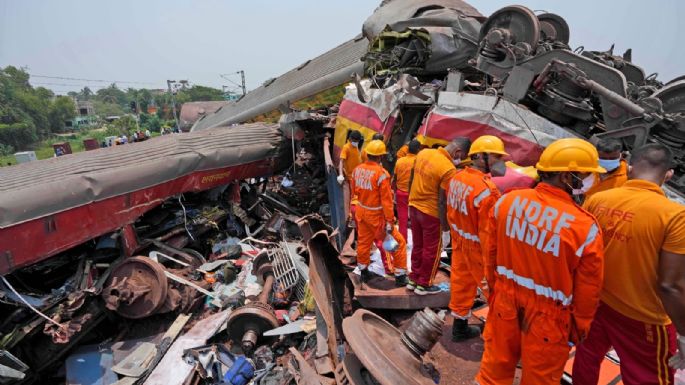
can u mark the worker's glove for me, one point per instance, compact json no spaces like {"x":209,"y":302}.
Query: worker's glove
{"x":388,"y":227}
{"x":341,"y":179}
{"x":678,"y":360}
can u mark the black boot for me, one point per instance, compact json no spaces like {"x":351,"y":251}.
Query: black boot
{"x":462,"y":331}
{"x":365,"y":275}
{"x":401,"y":280}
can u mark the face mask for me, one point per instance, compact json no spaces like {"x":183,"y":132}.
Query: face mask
{"x":581,"y":186}
{"x":356,"y":144}
{"x":610,"y":164}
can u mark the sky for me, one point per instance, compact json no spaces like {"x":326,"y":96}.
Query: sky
{"x":144,"y":43}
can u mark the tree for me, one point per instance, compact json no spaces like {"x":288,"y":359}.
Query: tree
{"x":85,"y":94}
{"x":61,"y":110}
{"x":125,"y":124}
{"x":199,"y":94}
{"x":105,"y":109}
{"x":112,"y":94}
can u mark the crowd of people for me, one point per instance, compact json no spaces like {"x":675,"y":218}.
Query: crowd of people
{"x":592,"y":256}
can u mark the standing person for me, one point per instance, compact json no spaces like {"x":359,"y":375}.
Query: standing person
{"x":610,"y":159}
{"x":375,"y":136}
{"x":643,"y":296}
{"x":400,"y":183}
{"x":543,"y":258}
{"x":374,"y":213}
{"x":349,"y":159}
{"x":470,"y":196}
{"x":432,"y":172}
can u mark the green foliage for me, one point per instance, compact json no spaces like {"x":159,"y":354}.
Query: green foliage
{"x":126,"y":124}
{"x":199,"y":94}
{"x":6,"y":149}
{"x":18,"y":135}
{"x":61,"y":110}
{"x":150,"y":122}
{"x":105,"y":109}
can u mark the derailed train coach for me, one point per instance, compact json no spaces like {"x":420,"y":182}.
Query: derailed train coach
{"x":446,"y":71}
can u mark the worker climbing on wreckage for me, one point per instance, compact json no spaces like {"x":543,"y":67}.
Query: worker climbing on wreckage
{"x":642,"y":301}
{"x":544,"y":264}
{"x":470,"y":196}
{"x":430,"y":177}
{"x":375,"y":214}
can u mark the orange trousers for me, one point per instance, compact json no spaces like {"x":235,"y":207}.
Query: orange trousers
{"x":466,"y":276}
{"x":516,"y":330}
{"x":371,"y":228}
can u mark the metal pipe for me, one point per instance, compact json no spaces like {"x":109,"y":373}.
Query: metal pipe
{"x":267,"y":289}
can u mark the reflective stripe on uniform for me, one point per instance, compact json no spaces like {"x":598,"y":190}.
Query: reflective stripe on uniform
{"x":499,"y":201}
{"x":382,"y":178}
{"x":528,"y":283}
{"x":370,"y":208}
{"x":591,"y":236}
{"x":465,"y":235}
{"x":484,"y":194}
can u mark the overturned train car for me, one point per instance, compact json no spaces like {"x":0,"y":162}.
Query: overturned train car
{"x":513,"y":75}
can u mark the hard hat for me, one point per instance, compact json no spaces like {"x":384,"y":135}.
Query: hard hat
{"x":570,"y":154}
{"x":376,"y":148}
{"x":489,"y":144}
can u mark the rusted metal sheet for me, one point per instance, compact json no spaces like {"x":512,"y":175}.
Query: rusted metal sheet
{"x":327,"y":291}
{"x":381,"y":293}
{"x":379,"y":348}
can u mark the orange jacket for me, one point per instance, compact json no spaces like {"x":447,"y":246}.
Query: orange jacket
{"x":403,"y":171}
{"x":542,"y":245}
{"x":611,"y":180}
{"x":403,"y":151}
{"x":371,"y":185}
{"x":470,"y":196}
{"x":351,"y":159}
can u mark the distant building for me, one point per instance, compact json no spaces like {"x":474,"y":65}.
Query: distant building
{"x":84,"y":108}
{"x":191,"y":112}
{"x":85,"y":115}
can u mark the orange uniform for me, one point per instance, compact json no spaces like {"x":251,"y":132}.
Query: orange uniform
{"x":546,"y":256}
{"x":470,"y":196}
{"x":371,"y":186}
{"x":351,"y":159}
{"x":633,"y":240}
{"x":403,"y":168}
{"x":403,"y":151}
{"x":432,"y":171}
{"x":610,"y":180}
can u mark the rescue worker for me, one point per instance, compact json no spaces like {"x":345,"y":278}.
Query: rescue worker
{"x":430,"y":178}
{"x":403,"y":151}
{"x":470,"y":196}
{"x":609,"y":150}
{"x":375,"y":214}
{"x":375,"y":136}
{"x":400,"y":183}
{"x":545,"y":255}
{"x":643,"y":296}
{"x":349,"y":159}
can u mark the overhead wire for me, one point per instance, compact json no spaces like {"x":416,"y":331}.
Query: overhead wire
{"x":89,"y":80}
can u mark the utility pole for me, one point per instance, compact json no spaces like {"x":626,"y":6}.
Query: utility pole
{"x":173,"y":101}
{"x":242,"y":78}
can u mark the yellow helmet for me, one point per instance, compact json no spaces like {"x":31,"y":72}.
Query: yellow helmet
{"x":489,"y":144}
{"x":570,"y":154}
{"x":376,"y":147}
